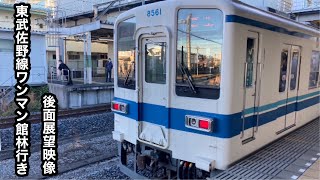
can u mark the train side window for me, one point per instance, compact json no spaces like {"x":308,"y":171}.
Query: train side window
{"x":283,"y":70}
{"x":314,"y":69}
{"x":294,"y":70}
{"x":126,"y":53}
{"x":155,"y":63}
{"x":249,"y":61}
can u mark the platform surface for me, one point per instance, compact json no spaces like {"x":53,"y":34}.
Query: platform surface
{"x":313,"y":172}
{"x":294,"y":156}
{"x":79,"y":83}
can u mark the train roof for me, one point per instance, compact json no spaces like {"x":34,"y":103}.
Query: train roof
{"x":235,"y":7}
{"x":270,"y":17}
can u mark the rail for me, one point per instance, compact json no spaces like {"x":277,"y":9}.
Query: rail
{"x":7,"y":85}
{"x":244,"y":99}
{"x":38,"y":75}
{"x":7,"y":90}
{"x":6,"y":82}
{"x":62,"y":115}
{"x":53,"y":73}
{"x":7,"y":93}
{"x":63,"y":76}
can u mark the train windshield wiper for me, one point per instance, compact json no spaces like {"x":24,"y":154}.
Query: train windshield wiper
{"x":127,"y":80}
{"x":185,"y":71}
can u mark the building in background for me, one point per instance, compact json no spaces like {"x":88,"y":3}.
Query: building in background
{"x":38,"y":73}
{"x":87,"y":24}
{"x":307,"y":11}
{"x":304,"y":11}
{"x":37,"y":18}
{"x":75,"y":55}
{"x":279,"y":6}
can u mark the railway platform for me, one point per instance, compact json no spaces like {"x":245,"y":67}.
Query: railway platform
{"x":81,"y":95}
{"x":294,"y":156}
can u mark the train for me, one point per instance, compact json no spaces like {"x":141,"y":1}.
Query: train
{"x":201,"y":84}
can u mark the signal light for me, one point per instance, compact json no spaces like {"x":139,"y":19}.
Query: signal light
{"x":119,"y":107}
{"x":203,"y":124}
{"x":116,"y":107}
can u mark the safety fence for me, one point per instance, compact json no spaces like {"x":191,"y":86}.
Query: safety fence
{"x":98,"y":75}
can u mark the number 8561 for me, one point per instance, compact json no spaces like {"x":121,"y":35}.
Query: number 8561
{"x":154,"y":12}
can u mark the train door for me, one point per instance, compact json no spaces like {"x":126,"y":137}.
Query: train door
{"x":249,"y":116}
{"x":154,"y":110}
{"x":288,"y":85}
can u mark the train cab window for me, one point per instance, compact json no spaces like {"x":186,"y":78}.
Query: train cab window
{"x":126,"y":53}
{"x":249,"y":61}
{"x":155,"y":63}
{"x":283,"y":70}
{"x":314,"y":69}
{"x":294,"y":70}
{"x":199,"y":53}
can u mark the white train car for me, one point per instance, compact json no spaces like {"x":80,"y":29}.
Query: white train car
{"x":201,"y":84}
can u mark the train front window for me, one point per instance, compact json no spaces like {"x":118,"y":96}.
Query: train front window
{"x":126,"y":53}
{"x":199,"y":52}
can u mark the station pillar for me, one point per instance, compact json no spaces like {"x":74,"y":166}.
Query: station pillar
{"x":57,"y":61}
{"x":111,"y":56}
{"x":60,"y":54}
{"x":87,"y":59}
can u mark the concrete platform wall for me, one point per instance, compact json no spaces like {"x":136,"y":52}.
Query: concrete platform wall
{"x":71,"y":97}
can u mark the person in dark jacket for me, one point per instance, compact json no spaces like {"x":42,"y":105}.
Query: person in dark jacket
{"x":109,"y":67}
{"x":65,"y":71}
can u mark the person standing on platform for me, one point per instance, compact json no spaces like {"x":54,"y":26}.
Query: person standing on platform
{"x":65,"y":72}
{"x":109,"y":67}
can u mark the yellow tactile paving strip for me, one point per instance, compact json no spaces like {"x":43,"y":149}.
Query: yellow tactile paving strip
{"x":313,"y":172}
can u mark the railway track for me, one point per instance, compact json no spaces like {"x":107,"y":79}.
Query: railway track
{"x":8,"y":154}
{"x":73,"y":165}
{"x":84,"y":163}
{"x":62,"y":114}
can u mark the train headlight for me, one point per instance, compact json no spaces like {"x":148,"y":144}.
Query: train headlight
{"x":119,"y":107}
{"x":199,"y":123}
{"x":193,"y":122}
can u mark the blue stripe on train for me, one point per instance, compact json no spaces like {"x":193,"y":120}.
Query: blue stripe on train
{"x":280,"y":103}
{"x":225,"y":126}
{"x":251,"y":22}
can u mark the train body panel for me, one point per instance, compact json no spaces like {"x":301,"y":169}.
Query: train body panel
{"x":210,"y":106}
